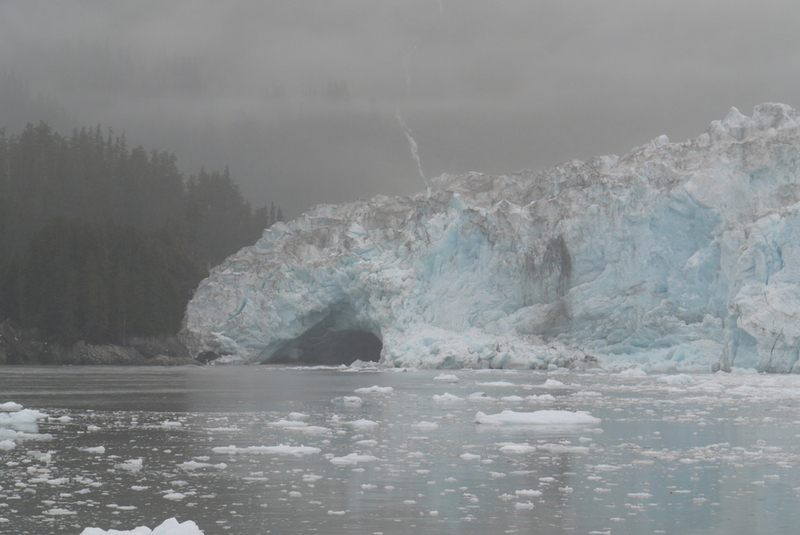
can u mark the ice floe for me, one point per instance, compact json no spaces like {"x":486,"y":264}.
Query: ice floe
{"x":543,"y":417}
{"x":375,"y":389}
{"x":280,"y":449}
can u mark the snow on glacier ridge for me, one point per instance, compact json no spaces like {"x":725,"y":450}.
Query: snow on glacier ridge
{"x":677,"y":256}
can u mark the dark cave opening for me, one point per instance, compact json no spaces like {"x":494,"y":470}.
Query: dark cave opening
{"x":324,"y":344}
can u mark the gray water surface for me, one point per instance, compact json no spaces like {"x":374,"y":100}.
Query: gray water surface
{"x":701,"y":454}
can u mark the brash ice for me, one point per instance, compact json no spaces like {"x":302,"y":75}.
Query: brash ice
{"x":677,"y":256}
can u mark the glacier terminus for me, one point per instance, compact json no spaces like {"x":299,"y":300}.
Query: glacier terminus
{"x":675,"y":257}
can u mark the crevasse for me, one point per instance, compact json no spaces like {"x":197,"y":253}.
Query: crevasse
{"x":677,"y":256}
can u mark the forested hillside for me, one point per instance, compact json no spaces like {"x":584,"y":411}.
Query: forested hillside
{"x":99,"y":242}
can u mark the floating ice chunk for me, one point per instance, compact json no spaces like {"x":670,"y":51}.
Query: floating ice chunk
{"x":447,"y":398}
{"x":168,"y":527}
{"x":746,"y":390}
{"x":633,"y":372}
{"x":544,"y":417}
{"x":21,"y":417}
{"x":544,"y":398}
{"x":480,"y":396}
{"x":131,"y":465}
{"x":446,"y":377}
{"x":529,"y":493}
{"x":517,"y":448}
{"x":174,"y":496}
{"x":512,"y":398}
{"x":287,"y":423}
{"x":428,"y":426}
{"x":280,"y":449}
{"x":496,"y":383}
{"x":606,"y":467}
{"x":44,"y":457}
{"x":298,"y":416}
{"x":709,"y":387}
{"x":523,"y":505}
{"x":193,"y":465}
{"x":470,"y":456}
{"x":563,"y":448}
{"x":58,"y":511}
{"x":122,"y":507}
{"x":553,"y":383}
{"x":96,"y":449}
{"x":678,"y":379}
{"x":375,"y":389}
{"x":363,"y":424}
{"x":353,"y":458}
{"x":347,"y":401}
{"x":10,"y":406}
{"x":169,"y":423}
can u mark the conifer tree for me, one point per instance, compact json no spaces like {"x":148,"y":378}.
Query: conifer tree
{"x":101,"y":242}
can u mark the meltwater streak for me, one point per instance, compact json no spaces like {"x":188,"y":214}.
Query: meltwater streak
{"x":414,"y":150}
{"x":412,"y":144}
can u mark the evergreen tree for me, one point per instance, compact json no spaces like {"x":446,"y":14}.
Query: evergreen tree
{"x":78,"y":280}
{"x":100,"y":242}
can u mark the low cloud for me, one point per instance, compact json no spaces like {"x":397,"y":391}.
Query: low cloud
{"x":299,"y":98}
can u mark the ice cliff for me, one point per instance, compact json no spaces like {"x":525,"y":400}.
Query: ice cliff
{"x":677,"y":256}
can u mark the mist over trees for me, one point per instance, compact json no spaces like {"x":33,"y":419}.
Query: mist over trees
{"x":99,"y":242}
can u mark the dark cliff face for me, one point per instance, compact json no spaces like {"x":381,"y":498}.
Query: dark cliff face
{"x":25,"y":347}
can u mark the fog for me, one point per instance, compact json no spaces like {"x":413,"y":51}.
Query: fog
{"x":305,"y":101}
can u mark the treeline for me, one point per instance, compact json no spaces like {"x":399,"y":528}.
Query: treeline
{"x":99,"y":242}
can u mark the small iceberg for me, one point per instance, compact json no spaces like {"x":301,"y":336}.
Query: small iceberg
{"x":545,"y":417}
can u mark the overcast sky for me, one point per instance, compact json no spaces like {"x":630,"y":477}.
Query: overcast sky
{"x":305,"y":100}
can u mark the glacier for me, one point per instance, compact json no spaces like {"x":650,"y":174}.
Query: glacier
{"x":675,"y":257}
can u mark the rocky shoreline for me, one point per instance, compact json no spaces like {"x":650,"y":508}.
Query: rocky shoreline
{"x":20,"y":346}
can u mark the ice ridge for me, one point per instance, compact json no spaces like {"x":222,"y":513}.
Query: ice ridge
{"x":677,"y":256}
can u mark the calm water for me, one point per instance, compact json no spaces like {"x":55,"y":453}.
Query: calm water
{"x":706,"y":454}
